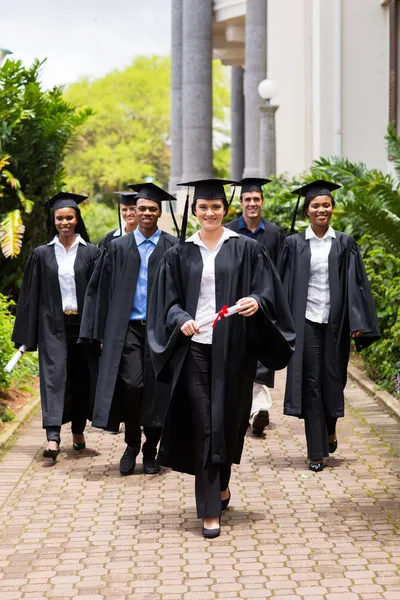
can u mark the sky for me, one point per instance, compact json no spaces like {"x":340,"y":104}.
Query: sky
{"x":84,"y":38}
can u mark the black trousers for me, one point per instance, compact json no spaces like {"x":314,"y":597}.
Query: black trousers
{"x":210,"y":478}
{"x":318,"y":424}
{"x":77,"y":385}
{"x":129,"y":391}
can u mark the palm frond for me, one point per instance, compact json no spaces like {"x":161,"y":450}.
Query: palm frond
{"x":11,"y":233}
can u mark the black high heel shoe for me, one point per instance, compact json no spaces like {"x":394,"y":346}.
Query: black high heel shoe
{"x":332,"y":446}
{"x":225,"y":503}
{"x":211,"y":533}
{"x":78,"y":446}
{"x":47,"y":453}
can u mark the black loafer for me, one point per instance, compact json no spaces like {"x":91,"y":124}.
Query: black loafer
{"x":261,"y":420}
{"x":127,"y":463}
{"x":150,"y":466}
{"x":316,"y":467}
{"x":47,"y":453}
{"x":332,"y":446}
{"x":225,"y":503}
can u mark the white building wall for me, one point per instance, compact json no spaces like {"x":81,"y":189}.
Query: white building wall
{"x":365,"y":81}
{"x":288,"y":49}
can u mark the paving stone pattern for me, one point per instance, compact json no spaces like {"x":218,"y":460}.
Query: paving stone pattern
{"x":79,"y":530}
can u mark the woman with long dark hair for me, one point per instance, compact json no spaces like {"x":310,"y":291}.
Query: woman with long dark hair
{"x":48,"y":318}
{"x":211,"y":370}
{"x":329,"y":295}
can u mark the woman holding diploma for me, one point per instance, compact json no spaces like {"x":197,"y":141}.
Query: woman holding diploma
{"x":212,"y":369}
{"x":48,"y":317}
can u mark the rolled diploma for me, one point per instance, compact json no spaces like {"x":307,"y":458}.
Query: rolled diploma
{"x":209,"y":320}
{"x":11,"y":364}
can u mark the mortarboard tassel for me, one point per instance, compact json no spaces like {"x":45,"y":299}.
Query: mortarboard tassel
{"x":174,"y":218}
{"x":292,"y":229}
{"x":184,"y":220}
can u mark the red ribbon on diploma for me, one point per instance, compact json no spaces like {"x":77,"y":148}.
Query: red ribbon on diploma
{"x":220,"y":315}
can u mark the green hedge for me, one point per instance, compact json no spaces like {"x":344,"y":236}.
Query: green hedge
{"x":27,"y":366}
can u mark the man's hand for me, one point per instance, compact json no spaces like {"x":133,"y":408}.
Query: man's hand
{"x":190,"y":328}
{"x":249,"y":306}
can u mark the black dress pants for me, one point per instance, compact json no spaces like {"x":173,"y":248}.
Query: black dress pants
{"x":210,"y":479}
{"x":77,"y":384}
{"x":129,"y":391}
{"x":318,"y":424}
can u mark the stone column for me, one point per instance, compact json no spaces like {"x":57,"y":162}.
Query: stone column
{"x":267,"y":164}
{"x":176,"y":96}
{"x":237,"y":123}
{"x":255,"y":71}
{"x":197,"y":89}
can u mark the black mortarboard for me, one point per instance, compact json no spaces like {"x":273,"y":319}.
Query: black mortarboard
{"x":151,"y":191}
{"x":253,"y":184}
{"x":207,"y":189}
{"x":64,"y":200}
{"x":320,"y":187}
{"x":126,"y":198}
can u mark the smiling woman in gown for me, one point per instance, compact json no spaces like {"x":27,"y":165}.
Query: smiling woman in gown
{"x":211,"y":370}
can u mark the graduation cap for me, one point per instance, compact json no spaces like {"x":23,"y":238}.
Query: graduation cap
{"x":320,"y":187}
{"x":151,"y":191}
{"x":207,"y":189}
{"x":253,"y":184}
{"x":127,"y":199}
{"x":64,"y":200}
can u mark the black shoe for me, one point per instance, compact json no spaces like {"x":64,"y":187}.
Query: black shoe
{"x":261,"y":420}
{"x":78,"y":446}
{"x":47,"y":453}
{"x":211,"y":533}
{"x":316,"y":466}
{"x":225,"y":503}
{"x":150,"y":466}
{"x":332,"y":446}
{"x":127,"y":463}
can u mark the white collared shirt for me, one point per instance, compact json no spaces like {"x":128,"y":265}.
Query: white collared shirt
{"x":206,"y":303}
{"x":117,"y":232}
{"x":318,"y":296}
{"x":66,"y":274}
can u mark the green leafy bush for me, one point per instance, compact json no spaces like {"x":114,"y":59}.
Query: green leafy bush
{"x":28,"y":365}
{"x":383,"y":270}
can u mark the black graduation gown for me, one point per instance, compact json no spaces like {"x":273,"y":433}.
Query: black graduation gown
{"x":351,"y":309}
{"x":242,"y":268}
{"x":272,"y":239}
{"x":109,"y":237}
{"x":106,"y":312}
{"x":39,"y":324}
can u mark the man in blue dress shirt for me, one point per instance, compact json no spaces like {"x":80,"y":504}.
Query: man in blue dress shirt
{"x":115,"y":313}
{"x":251,"y":224}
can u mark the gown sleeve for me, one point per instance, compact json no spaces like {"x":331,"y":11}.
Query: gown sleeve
{"x":165,"y":315}
{"x":271,"y":328}
{"x":361,"y":306}
{"x":97,"y":299}
{"x":27,"y":319}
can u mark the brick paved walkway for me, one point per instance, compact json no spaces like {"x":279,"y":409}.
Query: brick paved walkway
{"x":79,"y":530}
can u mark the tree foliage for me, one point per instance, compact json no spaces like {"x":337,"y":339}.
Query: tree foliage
{"x":36,"y":130}
{"x":128,"y":137}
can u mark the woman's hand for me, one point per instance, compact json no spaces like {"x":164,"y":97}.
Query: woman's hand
{"x":356,"y":334}
{"x":249,"y":306}
{"x":190,"y":328}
